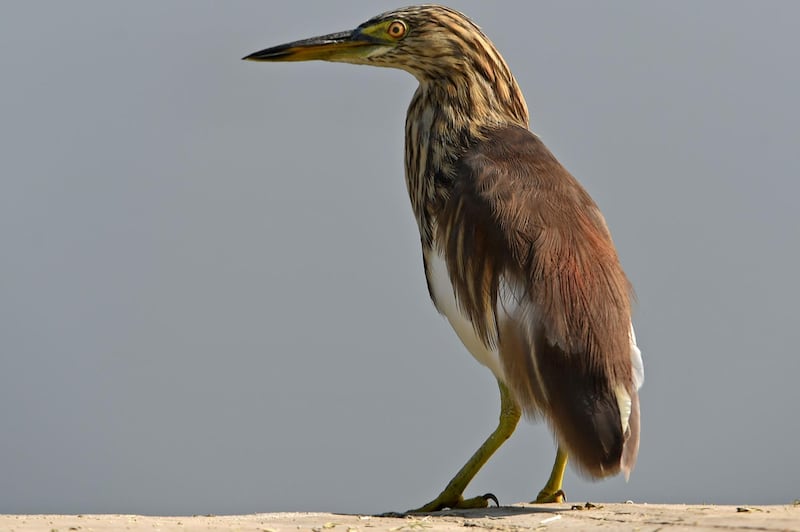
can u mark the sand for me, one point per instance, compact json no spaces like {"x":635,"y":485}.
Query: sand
{"x":586,"y":516}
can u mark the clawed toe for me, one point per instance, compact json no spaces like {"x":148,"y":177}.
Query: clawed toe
{"x":456,"y":503}
{"x":490,"y":497}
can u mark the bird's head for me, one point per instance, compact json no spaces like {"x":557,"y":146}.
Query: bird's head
{"x":428,"y":41}
{"x":450,"y":56}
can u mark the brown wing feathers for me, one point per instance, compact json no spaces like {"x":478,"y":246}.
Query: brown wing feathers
{"x":514,"y":210}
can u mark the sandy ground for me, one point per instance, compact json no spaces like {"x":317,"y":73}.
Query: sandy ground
{"x":640,"y":517}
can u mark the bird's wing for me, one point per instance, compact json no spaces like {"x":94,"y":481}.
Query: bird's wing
{"x":533,"y":266}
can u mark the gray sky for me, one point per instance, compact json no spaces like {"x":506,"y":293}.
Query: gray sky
{"x":211,"y":290}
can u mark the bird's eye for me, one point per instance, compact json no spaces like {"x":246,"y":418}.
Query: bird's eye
{"x":397,"y":29}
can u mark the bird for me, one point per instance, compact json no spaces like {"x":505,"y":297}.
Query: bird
{"x":516,"y":254}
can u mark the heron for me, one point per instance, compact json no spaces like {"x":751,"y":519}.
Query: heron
{"x":516,"y":254}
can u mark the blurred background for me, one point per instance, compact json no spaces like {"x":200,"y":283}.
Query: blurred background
{"x":211,"y":288}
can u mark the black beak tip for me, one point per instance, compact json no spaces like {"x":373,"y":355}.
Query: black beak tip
{"x":269,"y":54}
{"x":252,"y":57}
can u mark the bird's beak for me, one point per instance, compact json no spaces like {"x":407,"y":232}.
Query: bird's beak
{"x":342,"y":46}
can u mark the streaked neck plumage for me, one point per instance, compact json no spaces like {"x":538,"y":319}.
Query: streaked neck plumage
{"x":449,"y":113}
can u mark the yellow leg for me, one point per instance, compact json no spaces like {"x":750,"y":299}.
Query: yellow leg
{"x":552,"y":491}
{"x":453,"y":494}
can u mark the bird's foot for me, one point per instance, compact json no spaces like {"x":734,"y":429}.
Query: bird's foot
{"x":446,"y":500}
{"x":547,"y":496}
{"x":552,"y":491}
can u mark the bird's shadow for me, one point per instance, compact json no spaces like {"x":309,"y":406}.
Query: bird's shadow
{"x":482,"y":513}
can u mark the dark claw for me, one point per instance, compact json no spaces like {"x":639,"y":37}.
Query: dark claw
{"x":490,"y":497}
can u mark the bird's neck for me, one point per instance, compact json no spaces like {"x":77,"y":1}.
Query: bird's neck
{"x":444,"y":118}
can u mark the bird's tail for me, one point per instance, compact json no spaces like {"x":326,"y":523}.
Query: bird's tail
{"x":593,"y":409}
{"x":595,"y":414}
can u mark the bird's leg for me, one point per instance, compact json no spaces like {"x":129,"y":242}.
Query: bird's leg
{"x":552,"y":491}
{"x":453,"y":494}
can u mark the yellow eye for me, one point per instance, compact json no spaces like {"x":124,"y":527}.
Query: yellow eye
{"x":397,"y":29}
